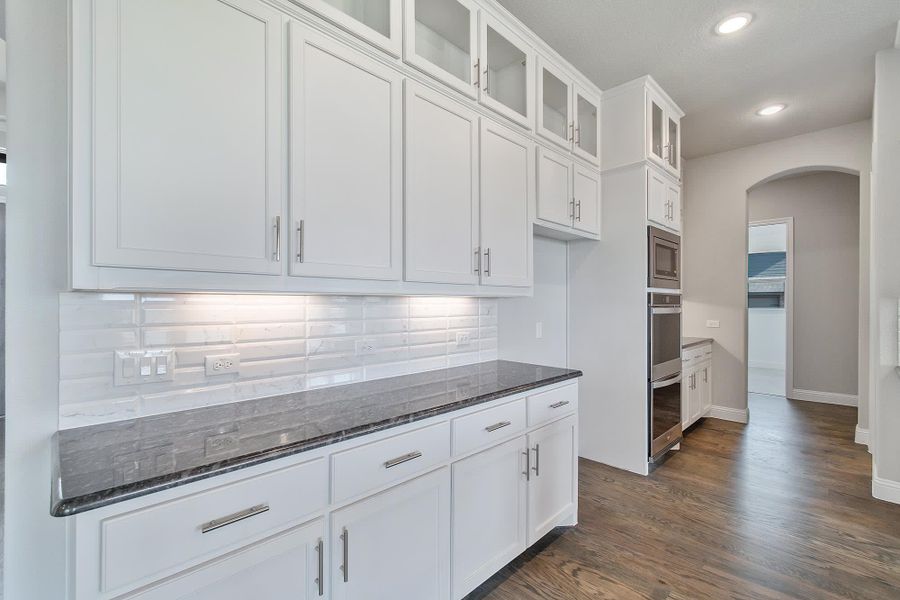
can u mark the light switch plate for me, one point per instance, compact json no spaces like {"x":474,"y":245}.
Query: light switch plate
{"x":712,"y":323}
{"x":158,"y":365}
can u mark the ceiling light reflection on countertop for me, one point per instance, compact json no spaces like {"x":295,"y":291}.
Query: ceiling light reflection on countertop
{"x":734,"y":23}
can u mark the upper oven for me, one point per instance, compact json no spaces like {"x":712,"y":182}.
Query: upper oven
{"x":665,"y":334}
{"x":665,"y":259}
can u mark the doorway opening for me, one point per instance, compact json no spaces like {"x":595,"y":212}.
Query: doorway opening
{"x":769,"y":306}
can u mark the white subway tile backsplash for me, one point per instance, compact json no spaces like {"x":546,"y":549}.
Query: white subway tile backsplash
{"x":286,"y":344}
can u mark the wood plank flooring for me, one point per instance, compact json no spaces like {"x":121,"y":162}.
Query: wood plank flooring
{"x":777,"y":509}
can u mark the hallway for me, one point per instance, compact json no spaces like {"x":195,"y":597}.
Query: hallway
{"x":777,"y":509}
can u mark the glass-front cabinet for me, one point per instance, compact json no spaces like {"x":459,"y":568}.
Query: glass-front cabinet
{"x":507,"y":64}
{"x":376,"y":21}
{"x":664,"y":133}
{"x":441,"y":39}
{"x":567,"y":114}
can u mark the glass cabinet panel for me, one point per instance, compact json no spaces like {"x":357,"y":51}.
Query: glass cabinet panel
{"x":443,"y":37}
{"x":506,"y":72}
{"x":375,"y":14}
{"x":673,"y":150}
{"x":555,"y":101}
{"x":586,"y":131}
{"x":656,"y":130}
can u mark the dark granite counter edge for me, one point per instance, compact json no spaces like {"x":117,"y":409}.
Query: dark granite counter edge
{"x":692,"y":342}
{"x":60,"y":507}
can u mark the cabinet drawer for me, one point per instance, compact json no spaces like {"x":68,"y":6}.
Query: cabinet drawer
{"x":481,"y":428}
{"x":149,"y":543}
{"x":552,"y":404}
{"x":380,"y":463}
{"x":692,"y":356}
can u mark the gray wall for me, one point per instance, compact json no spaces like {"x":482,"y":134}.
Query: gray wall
{"x":825,"y":208}
{"x":517,"y":317}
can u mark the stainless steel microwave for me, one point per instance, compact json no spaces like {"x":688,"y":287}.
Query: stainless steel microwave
{"x":664,"y":254}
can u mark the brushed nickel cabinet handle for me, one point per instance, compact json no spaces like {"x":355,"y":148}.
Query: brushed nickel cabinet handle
{"x":527,"y":472}
{"x":572,"y":209}
{"x":234,"y":518}
{"x":477,"y":261}
{"x":578,"y":136}
{"x":537,"y":460}
{"x":496,"y":426}
{"x":578,"y":208}
{"x":320,"y":575}
{"x":486,"y":81}
{"x":572,"y":131}
{"x":345,"y":567}
{"x":277,"y":253}
{"x":487,"y":262}
{"x":402,"y":459}
{"x":478,"y":73}
{"x":559,"y":404}
{"x":300,"y":240}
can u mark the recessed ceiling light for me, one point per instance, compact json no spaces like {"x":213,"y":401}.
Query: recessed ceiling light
{"x":768,"y":111}
{"x":733,"y":23}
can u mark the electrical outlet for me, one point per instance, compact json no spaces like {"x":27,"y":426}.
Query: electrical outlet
{"x":463,"y":339}
{"x":223,"y":364}
{"x":712,"y":323}
{"x":364,"y":347}
{"x":538,"y":330}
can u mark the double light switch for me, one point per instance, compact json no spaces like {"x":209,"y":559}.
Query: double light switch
{"x":144,"y":366}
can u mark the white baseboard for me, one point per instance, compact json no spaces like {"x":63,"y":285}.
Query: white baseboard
{"x":757,"y":364}
{"x":738,"y":415}
{"x":862,"y":436}
{"x":824,"y":397}
{"x":885,"y":489}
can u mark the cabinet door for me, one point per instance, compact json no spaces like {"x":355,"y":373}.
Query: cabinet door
{"x":346,"y":161}
{"x":395,"y":544}
{"x":657,"y":202}
{"x":286,"y":566}
{"x":441,"y":189}
{"x":685,"y":398}
{"x":656,"y":130}
{"x":586,"y":184}
{"x":188,"y":138}
{"x":706,"y":389}
{"x":441,"y":39}
{"x":673,"y":145}
{"x":507,"y":66}
{"x":489,"y":513}
{"x":376,"y":21}
{"x":694,"y":399}
{"x":554,"y":194}
{"x":673,"y":201}
{"x":507,"y":192}
{"x":553,"y":485}
{"x":587,"y":125}
{"x":554,"y":107}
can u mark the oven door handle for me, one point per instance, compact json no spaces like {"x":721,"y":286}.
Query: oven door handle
{"x":666,"y":382}
{"x":669,"y":310}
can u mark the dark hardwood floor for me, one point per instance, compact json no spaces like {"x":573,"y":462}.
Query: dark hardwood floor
{"x":780,"y":508}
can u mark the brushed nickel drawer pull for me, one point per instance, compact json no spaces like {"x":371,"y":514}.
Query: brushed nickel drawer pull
{"x":496,"y":426}
{"x":402,"y":459}
{"x":559,"y":404}
{"x":234,"y":518}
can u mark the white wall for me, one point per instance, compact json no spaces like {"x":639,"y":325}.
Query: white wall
{"x":715,"y":239}
{"x":35,"y":542}
{"x":518,"y":317}
{"x":824,"y":207}
{"x":886,"y":275}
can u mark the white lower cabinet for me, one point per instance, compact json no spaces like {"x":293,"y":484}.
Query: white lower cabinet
{"x":696,"y":385}
{"x":552,"y":486}
{"x":490,"y":492}
{"x":419,"y":523}
{"x":284,"y":566}
{"x":395,"y":544}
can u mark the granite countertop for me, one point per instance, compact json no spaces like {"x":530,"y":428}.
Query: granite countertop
{"x":690,"y":342}
{"x":98,"y":465}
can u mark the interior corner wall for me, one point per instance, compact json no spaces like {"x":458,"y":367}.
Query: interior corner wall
{"x":35,"y":543}
{"x":715,"y":236}
{"x":825,"y":207}
{"x":518,"y":318}
{"x":886,"y":275}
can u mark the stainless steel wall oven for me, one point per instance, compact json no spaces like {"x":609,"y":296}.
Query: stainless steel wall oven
{"x":664,"y":377}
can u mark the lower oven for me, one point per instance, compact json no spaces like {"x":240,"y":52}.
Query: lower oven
{"x":665,"y":415}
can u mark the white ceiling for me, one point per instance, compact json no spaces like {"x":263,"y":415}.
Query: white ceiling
{"x":815,"y":55}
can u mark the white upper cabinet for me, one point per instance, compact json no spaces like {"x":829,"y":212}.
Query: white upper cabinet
{"x":663,"y":200}
{"x":555,"y":202}
{"x":567,"y":114}
{"x":507,"y":65}
{"x":441,"y":189}
{"x":640,"y":122}
{"x":507,"y":193}
{"x":346,"y":161}
{"x":376,"y":21}
{"x":441,"y":39}
{"x":586,"y":184}
{"x":187,"y":136}
{"x":568,"y":197}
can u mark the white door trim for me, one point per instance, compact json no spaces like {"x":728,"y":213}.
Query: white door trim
{"x":788,"y":301}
